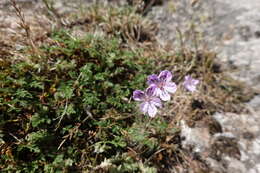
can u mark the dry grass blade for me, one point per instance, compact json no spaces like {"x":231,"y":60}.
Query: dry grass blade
{"x":53,"y":11}
{"x":23,"y":24}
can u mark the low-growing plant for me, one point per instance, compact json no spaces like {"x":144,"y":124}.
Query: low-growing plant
{"x":76,"y":95}
{"x":69,"y":108}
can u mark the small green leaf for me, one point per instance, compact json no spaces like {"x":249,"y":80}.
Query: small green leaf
{"x":36,"y":120}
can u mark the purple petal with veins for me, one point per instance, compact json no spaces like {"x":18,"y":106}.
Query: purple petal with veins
{"x":153,"y":79}
{"x":144,"y":107}
{"x":150,"y":91}
{"x":152,"y":110}
{"x":138,"y":95}
{"x":150,"y":102}
{"x":163,"y":84}
{"x":165,"y":76}
{"x":171,"y":87}
{"x":164,"y":95}
{"x":157,"y":102}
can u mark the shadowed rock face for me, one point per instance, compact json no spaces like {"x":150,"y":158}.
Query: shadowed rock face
{"x":232,"y":28}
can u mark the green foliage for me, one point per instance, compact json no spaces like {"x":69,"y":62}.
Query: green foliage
{"x":125,"y":164}
{"x":67,"y":107}
{"x":71,"y":102}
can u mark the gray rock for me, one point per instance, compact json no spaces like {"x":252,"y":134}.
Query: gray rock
{"x":232,"y":28}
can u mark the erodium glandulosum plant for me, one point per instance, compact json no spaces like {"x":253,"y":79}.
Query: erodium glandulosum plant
{"x":160,"y":87}
{"x":149,"y":100}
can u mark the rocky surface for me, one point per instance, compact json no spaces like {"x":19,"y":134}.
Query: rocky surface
{"x":232,"y":28}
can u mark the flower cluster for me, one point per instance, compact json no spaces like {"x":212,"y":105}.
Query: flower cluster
{"x":160,"y":88}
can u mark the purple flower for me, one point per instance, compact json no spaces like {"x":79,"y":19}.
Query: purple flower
{"x":163,"y":84}
{"x":190,"y":83}
{"x":149,"y":100}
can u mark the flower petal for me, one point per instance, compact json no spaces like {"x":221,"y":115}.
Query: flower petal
{"x":190,"y":83}
{"x":152,"y":79}
{"x":138,"y":95}
{"x":144,"y":107}
{"x":191,"y":88}
{"x":152,"y":110}
{"x":150,"y":91}
{"x":157,"y":91}
{"x":157,"y":102}
{"x":188,"y":77}
{"x":165,"y":76}
{"x":171,"y":87}
{"x":165,"y":96}
{"x":195,"y":82}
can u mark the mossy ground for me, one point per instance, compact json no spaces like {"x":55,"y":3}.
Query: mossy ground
{"x":66,"y":105}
